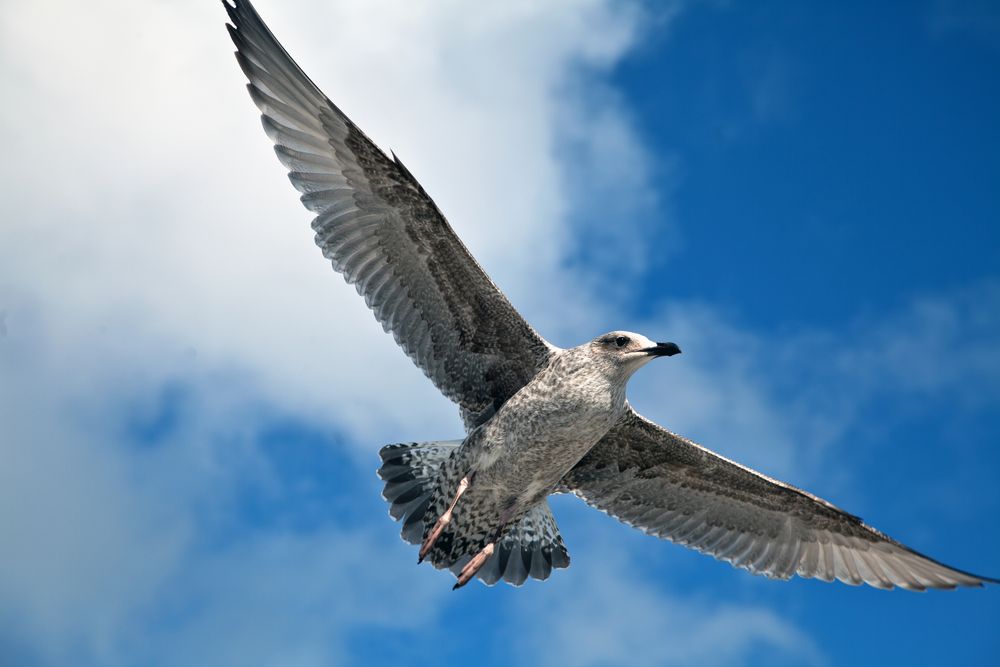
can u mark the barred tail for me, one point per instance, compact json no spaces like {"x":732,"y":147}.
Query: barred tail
{"x":531,"y":547}
{"x":410,"y":475}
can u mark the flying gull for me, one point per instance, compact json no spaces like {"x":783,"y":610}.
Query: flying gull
{"x":539,"y":419}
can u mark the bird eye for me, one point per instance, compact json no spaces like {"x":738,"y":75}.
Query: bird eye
{"x":621,"y":341}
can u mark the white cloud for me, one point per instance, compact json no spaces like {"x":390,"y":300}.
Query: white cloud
{"x":119,"y":551}
{"x":613,"y":613}
{"x":141,"y":184}
{"x":782,"y":404}
{"x":943,"y":346}
{"x":289,"y":600}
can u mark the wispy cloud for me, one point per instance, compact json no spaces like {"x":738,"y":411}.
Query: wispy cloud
{"x":784,"y":404}
{"x":613,"y":613}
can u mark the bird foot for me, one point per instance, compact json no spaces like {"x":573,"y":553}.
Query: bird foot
{"x":432,"y":537}
{"x":442,"y":522}
{"x":474,"y":565}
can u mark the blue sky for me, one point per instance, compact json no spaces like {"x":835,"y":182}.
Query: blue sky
{"x":804,"y":198}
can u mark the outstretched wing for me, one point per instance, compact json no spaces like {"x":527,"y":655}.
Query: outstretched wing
{"x":673,"y":488}
{"x":381,"y":230}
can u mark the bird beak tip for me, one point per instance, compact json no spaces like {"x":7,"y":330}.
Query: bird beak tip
{"x":664,"y":350}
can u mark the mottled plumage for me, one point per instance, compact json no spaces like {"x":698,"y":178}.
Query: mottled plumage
{"x":380,"y":229}
{"x":539,"y":420}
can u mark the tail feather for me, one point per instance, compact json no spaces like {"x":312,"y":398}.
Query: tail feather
{"x":410,"y":475}
{"x":531,"y":547}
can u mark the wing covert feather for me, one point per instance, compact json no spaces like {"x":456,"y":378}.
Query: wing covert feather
{"x":378,"y":227}
{"x":670,"y":487}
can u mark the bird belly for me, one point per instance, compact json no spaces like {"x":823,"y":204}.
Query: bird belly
{"x":524,"y":458}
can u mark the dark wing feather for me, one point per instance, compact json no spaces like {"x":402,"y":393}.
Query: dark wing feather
{"x":379,"y":228}
{"x":673,"y":488}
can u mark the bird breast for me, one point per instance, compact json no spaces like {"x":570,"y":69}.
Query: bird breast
{"x":547,"y":427}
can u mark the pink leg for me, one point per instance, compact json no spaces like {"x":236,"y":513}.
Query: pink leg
{"x":473,"y":566}
{"x":442,"y":522}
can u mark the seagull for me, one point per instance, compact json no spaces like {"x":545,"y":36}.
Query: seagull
{"x":539,"y":420}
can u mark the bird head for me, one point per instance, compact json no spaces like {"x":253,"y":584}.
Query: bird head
{"x":627,"y":352}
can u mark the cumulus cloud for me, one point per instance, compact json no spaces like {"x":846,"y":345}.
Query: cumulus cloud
{"x":150,"y":195}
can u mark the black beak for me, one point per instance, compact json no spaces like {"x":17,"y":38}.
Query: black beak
{"x":663,"y":350}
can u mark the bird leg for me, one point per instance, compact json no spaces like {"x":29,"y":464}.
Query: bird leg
{"x":442,"y":522}
{"x":477,"y":562}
